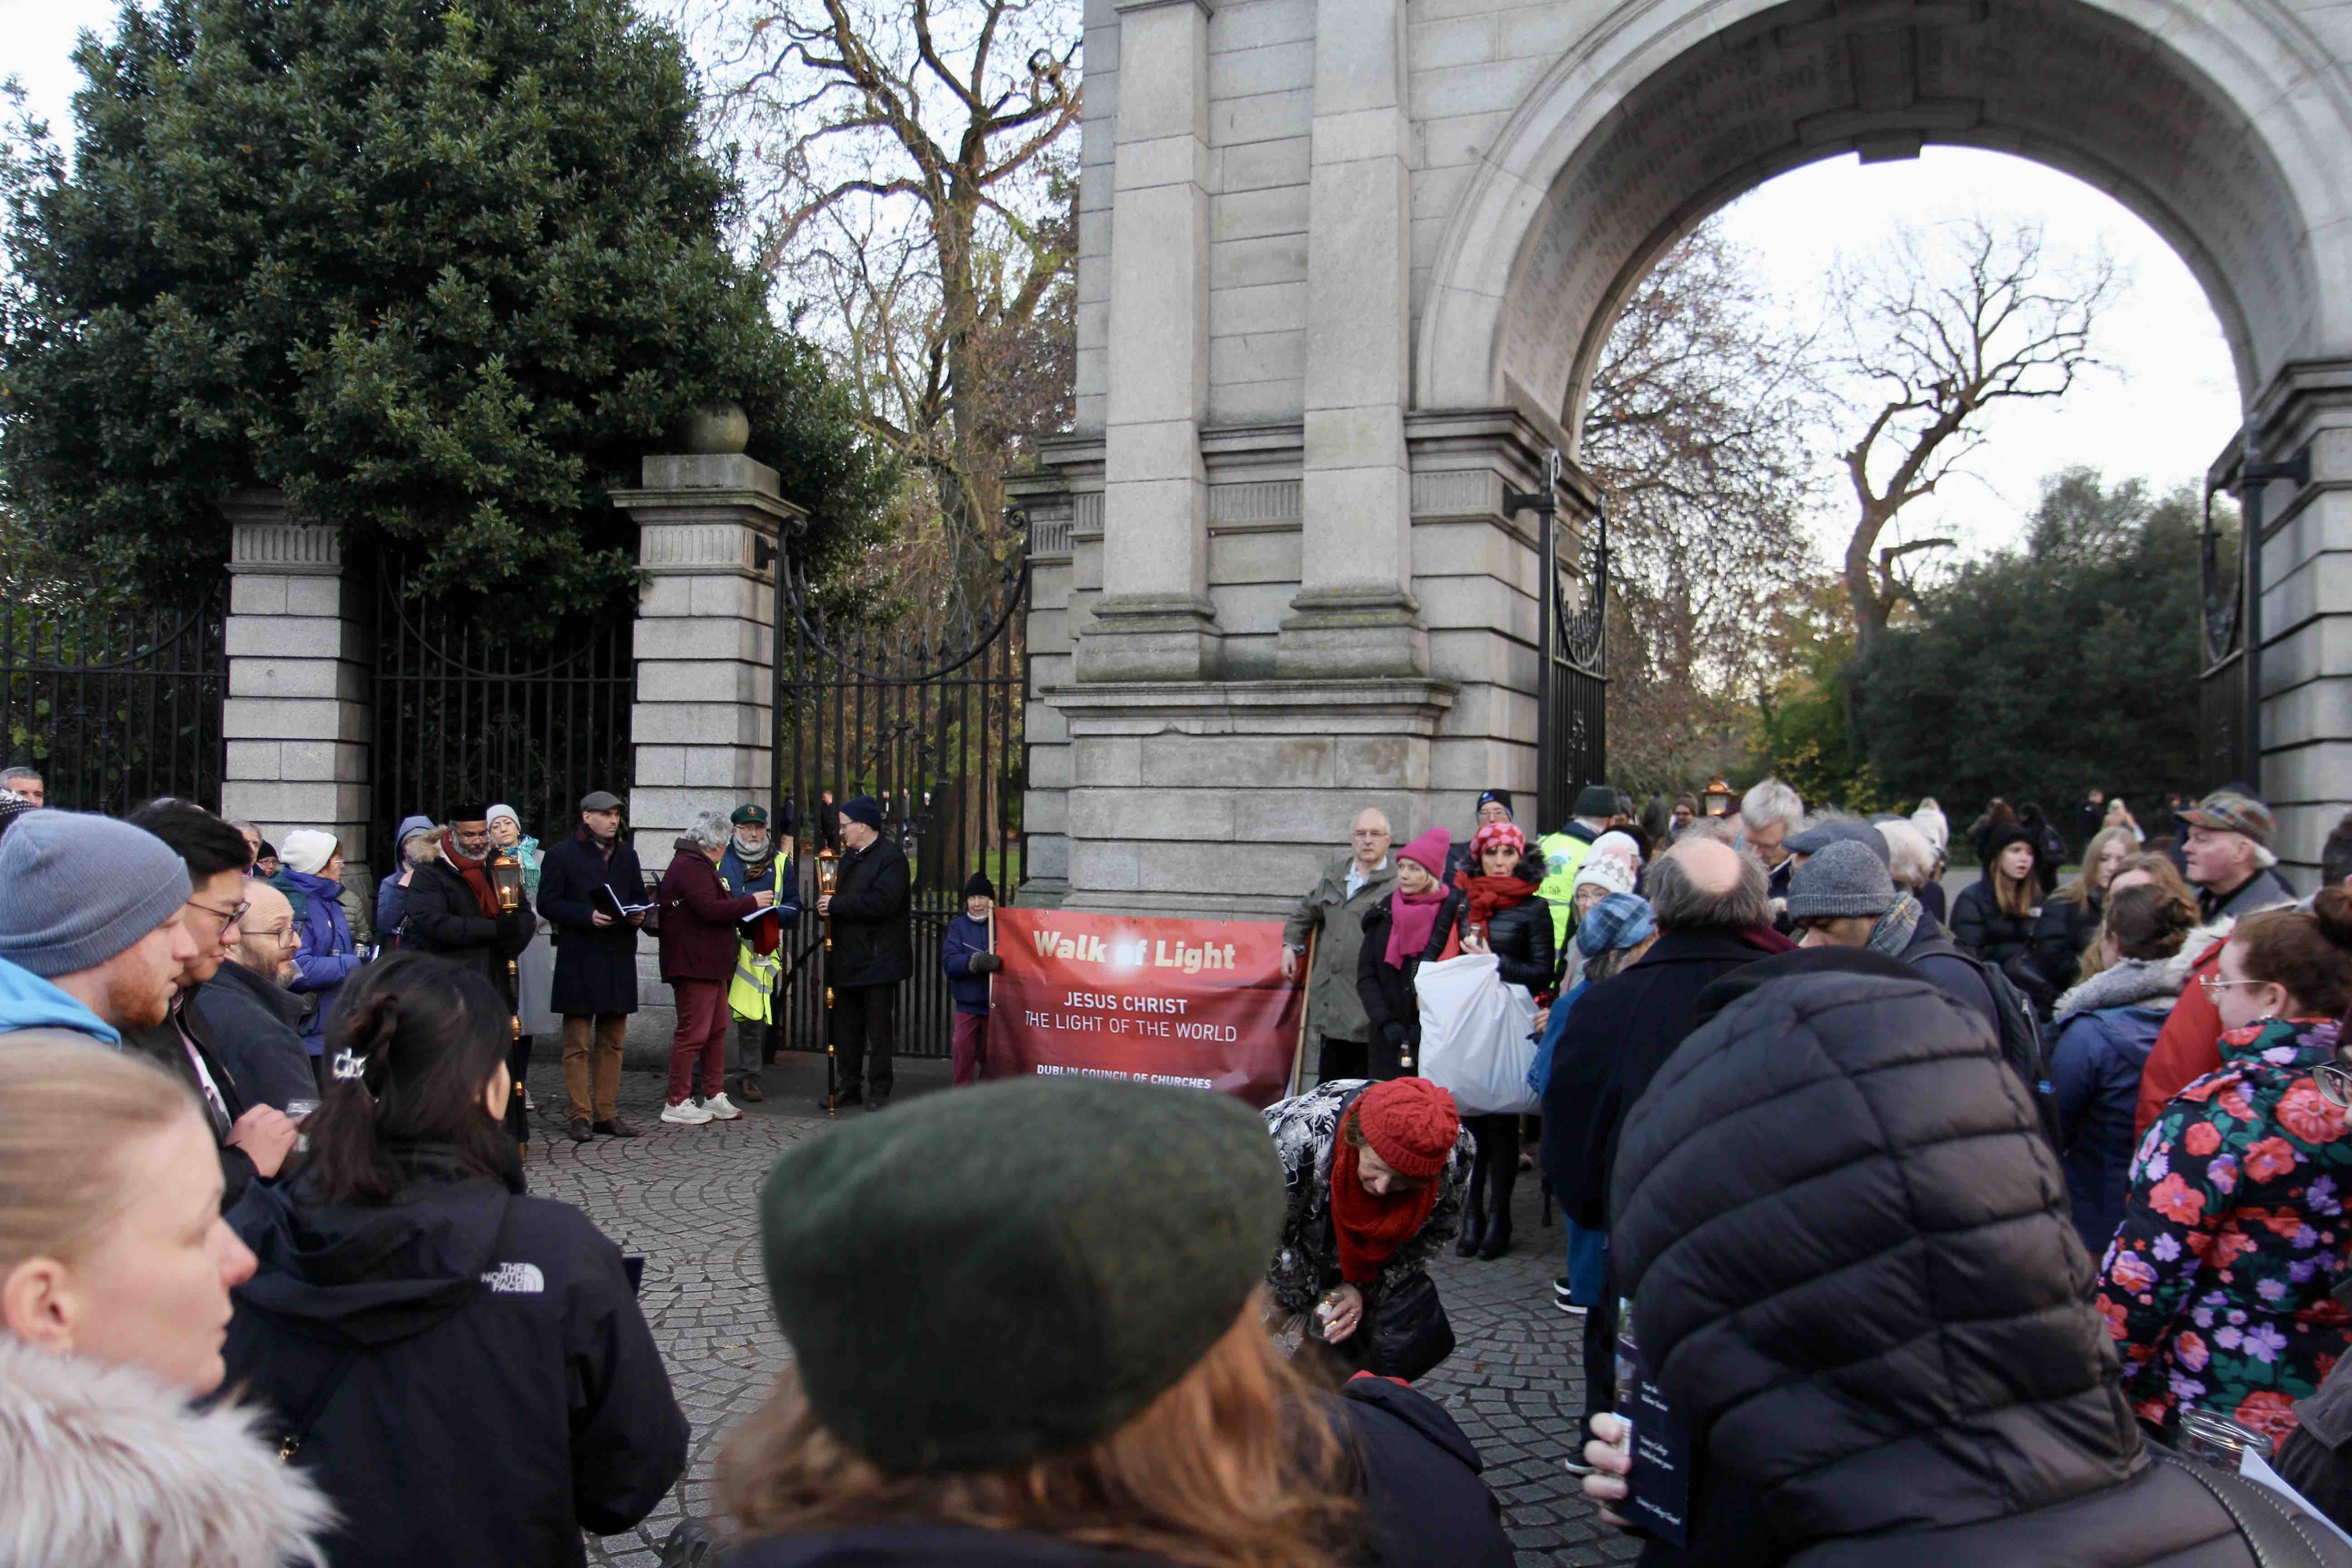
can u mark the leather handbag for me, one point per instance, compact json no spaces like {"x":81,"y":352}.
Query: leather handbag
{"x":1410,"y":1330}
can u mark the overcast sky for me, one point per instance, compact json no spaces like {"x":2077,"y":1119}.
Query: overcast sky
{"x":2162,"y":413}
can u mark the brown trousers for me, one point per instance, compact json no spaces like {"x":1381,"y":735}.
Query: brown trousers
{"x":592,"y":1071}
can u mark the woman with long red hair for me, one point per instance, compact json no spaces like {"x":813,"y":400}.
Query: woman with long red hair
{"x":1498,"y":912}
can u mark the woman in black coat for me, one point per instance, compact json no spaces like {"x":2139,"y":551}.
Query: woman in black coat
{"x":462,"y":1368}
{"x":1384,"y":978}
{"x":1924,"y":1380}
{"x":1994,"y":916}
{"x":1498,"y":912}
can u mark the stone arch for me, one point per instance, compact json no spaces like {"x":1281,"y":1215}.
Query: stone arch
{"x":2216,"y":122}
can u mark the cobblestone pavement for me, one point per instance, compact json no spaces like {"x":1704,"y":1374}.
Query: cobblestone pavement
{"x":683,"y":1197}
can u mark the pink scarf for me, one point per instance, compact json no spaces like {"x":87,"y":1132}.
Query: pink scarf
{"x":1411,"y":917}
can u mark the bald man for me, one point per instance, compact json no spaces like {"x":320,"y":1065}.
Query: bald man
{"x":1331,"y":916}
{"x":1714,"y":916}
{"x":256,"y":1021}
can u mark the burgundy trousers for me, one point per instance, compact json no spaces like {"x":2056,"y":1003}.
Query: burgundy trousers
{"x":967,"y":1048}
{"x":701,"y":1037}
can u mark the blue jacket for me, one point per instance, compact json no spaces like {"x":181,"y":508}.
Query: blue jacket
{"x":29,"y":1002}
{"x":2094,"y":1072}
{"x":327,"y":958}
{"x":965,"y":936}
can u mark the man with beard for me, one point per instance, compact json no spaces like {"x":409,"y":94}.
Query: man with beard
{"x":754,"y":862}
{"x":93,"y":927}
{"x":254,"y":1016}
{"x":254,"y":1139}
{"x":453,"y":910}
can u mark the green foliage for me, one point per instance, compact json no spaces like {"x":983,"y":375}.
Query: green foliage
{"x":1803,"y":734}
{"x":442,"y":273}
{"x":2069,"y":662}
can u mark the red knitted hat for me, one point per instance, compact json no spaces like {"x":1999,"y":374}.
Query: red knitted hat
{"x":1410,"y":1123}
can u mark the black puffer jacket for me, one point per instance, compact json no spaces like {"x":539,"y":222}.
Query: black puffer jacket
{"x":1979,"y":925}
{"x":1851,"y":1263}
{"x":2065,"y":928}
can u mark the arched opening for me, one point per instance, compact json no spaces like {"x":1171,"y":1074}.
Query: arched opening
{"x":2185,"y":115}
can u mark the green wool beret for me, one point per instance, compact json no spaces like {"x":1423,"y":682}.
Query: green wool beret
{"x":988,"y":1276}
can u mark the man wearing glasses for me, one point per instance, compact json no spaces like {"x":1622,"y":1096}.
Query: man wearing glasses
{"x":255,"y":1020}
{"x":254,"y":1138}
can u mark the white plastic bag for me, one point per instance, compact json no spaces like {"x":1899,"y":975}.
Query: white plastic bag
{"x":1475,"y":1035}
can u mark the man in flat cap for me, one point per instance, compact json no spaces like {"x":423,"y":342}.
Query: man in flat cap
{"x":2229,"y":856}
{"x":587,"y":885}
{"x":873,"y":950}
{"x":754,"y":862}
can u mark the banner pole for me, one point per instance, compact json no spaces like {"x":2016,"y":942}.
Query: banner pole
{"x":1306,"y":980}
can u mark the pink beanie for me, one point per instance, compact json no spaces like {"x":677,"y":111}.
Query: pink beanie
{"x":1429,"y":852}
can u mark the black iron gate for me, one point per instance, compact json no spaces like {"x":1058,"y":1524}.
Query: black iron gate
{"x":1572,"y":701}
{"x":467,"y":707}
{"x":112,"y":701}
{"x":932,"y":730}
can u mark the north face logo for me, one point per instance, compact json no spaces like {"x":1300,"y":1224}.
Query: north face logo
{"x":516,"y":1279}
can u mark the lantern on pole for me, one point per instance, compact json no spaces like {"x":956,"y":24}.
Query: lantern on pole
{"x":1718,"y":797}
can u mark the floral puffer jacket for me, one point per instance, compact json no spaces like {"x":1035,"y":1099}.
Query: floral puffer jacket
{"x":2215,"y":1288}
{"x":1306,"y":1131}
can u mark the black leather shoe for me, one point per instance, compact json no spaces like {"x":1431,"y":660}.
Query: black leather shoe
{"x":1473,"y":1232}
{"x":853,"y":1095}
{"x":616,"y":1128}
{"x":1496,"y":1243}
{"x":580,"y":1132}
{"x":877,"y":1099}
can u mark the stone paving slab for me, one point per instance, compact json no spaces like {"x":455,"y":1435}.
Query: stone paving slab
{"x":684,"y":1198}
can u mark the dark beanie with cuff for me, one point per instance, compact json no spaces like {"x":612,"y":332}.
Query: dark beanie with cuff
{"x":983,"y":1278}
{"x":863,"y":808}
{"x":76,"y":889}
{"x":978,"y":886}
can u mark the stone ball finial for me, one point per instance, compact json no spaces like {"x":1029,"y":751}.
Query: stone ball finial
{"x":716,"y":429}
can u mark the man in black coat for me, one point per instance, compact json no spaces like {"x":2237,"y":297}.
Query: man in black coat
{"x":873,"y":950}
{"x":452,"y":912}
{"x":253,"y":1018}
{"x":586,"y":885}
{"x":1714,"y":916}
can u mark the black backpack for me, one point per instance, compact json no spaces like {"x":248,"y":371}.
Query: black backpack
{"x":2020,"y":1035}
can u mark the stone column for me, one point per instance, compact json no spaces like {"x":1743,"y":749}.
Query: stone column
{"x":703,"y":722}
{"x":2306,"y":564}
{"x":1154,"y":620}
{"x":1355,"y":615}
{"x":298,"y":720}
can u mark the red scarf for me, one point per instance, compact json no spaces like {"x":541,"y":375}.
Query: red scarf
{"x":477,"y":877}
{"x":1489,"y":895}
{"x":1369,"y":1228}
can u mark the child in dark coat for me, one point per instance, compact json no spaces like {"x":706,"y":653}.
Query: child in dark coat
{"x":965,"y":953}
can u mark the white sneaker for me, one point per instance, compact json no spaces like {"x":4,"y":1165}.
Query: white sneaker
{"x":716,"y":1108}
{"x":686,"y":1113}
{"x":528,"y":1103}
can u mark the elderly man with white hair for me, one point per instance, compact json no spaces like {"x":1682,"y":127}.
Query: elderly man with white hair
{"x":2229,"y":856}
{"x":1768,"y":813}
{"x":1330,"y":922}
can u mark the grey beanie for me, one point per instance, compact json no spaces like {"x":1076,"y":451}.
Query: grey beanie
{"x":76,"y":889}
{"x":1844,"y":879}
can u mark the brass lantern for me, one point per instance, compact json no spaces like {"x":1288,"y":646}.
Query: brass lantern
{"x":1718,"y":797}
{"x":506,"y":880}
{"x":828,"y":877}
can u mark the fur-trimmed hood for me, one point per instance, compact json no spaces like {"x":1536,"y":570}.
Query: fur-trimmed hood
{"x":106,"y":1464}
{"x":2138,"y":981}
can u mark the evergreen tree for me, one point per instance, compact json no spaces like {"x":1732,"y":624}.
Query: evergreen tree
{"x":442,"y":273}
{"x":2069,"y":662}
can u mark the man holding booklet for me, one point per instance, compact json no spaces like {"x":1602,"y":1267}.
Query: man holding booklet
{"x":593,"y":891}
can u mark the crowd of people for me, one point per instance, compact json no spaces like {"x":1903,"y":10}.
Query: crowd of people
{"x":1971,"y":1242}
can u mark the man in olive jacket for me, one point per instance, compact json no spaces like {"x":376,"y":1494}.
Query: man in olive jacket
{"x":1331,"y":916}
{"x":873,"y":950}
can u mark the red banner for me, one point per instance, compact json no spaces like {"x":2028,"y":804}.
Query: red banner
{"x":1198,"y":1002}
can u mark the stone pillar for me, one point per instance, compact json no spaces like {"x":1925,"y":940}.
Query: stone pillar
{"x":1154,"y":620}
{"x":298,"y":720}
{"x":2306,"y":562}
{"x":1355,"y":615}
{"x":703,"y":722}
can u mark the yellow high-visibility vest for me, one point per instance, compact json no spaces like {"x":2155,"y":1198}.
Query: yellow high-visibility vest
{"x":750,"y":995}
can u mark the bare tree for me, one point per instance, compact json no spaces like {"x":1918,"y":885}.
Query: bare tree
{"x":1696,"y":431}
{"x":910,"y":171}
{"x":1938,"y":329}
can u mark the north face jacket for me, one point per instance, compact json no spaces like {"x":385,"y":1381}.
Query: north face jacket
{"x":489,"y":1387}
